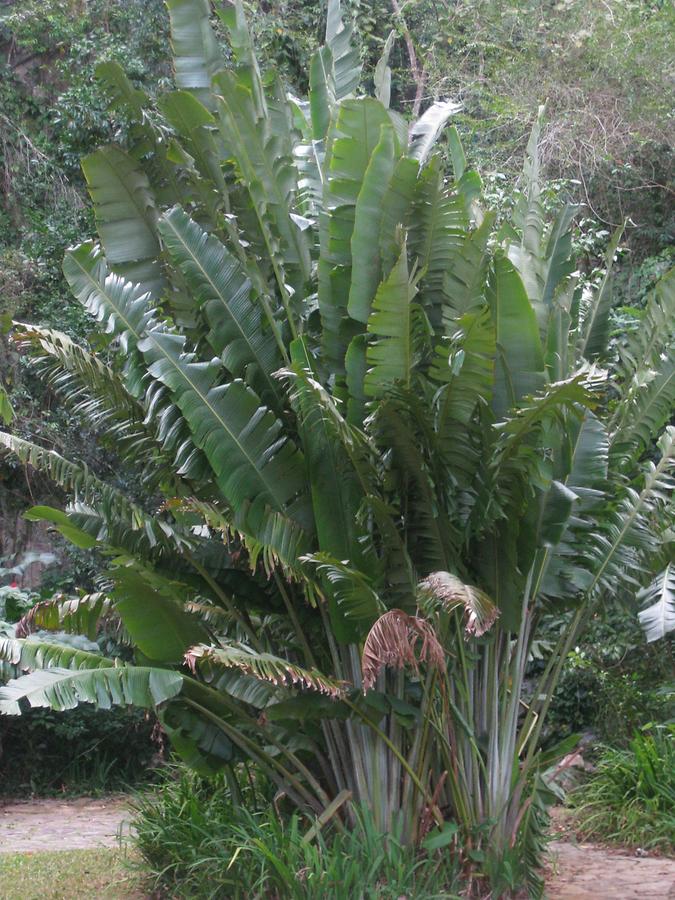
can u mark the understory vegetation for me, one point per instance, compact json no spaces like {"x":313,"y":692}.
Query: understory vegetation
{"x":366,"y":458}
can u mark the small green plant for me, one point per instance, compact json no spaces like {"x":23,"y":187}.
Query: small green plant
{"x":631,"y":797}
{"x":197,"y":841}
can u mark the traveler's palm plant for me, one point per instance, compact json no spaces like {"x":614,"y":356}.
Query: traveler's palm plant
{"x":377,"y":439}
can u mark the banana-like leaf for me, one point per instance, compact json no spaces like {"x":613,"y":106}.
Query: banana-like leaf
{"x":121,"y":91}
{"x":365,"y":241}
{"x":352,"y":140}
{"x":74,"y":615}
{"x":266,"y":170}
{"x":40,"y":654}
{"x":658,"y":617}
{"x":126,"y":311}
{"x":126,"y":216}
{"x":425,"y":131}
{"x":648,"y":371}
{"x":321,"y":92}
{"x":6,"y":411}
{"x":382,"y":76}
{"x":464,"y":367}
{"x":195,"y":125}
{"x":278,"y":671}
{"x":464,"y":282}
{"x":223,"y":291}
{"x":438,"y":231}
{"x":346,"y":63}
{"x":196,"y":54}
{"x":520,"y":360}
{"x":594,"y":325}
{"x":391,"y":355}
{"x":97,"y":393}
{"x":441,"y":590}
{"x":357,"y":601}
{"x":153,"y":612}
{"x":61,"y":689}
{"x":79,"y":481}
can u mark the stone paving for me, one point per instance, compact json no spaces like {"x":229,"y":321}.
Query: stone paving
{"x":41,"y":825}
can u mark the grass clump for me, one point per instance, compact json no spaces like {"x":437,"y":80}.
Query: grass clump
{"x":196,"y":842}
{"x":630,"y":799}
{"x":68,"y":875}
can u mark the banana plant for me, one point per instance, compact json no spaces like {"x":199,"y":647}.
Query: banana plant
{"x":377,"y":442}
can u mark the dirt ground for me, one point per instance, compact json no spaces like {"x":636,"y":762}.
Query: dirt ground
{"x":575,"y":872}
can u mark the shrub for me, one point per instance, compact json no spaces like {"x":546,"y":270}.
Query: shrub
{"x":631,"y":797}
{"x":198,"y":843}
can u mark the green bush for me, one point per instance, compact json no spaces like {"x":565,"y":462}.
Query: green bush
{"x":82,"y":750}
{"x":198,"y":843}
{"x":631,"y":797}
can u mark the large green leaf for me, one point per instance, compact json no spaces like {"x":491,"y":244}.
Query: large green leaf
{"x":263,"y":158}
{"x":222,"y":289}
{"x":126,"y":216}
{"x":196,"y":53}
{"x":437,"y":234}
{"x":61,"y":689}
{"x":391,"y":355}
{"x":595,"y":324}
{"x":352,"y":140}
{"x":346,"y":63}
{"x":153,"y":612}
{"x":520,"y":361}
{"x":425,"y":131}
{"x":195,"y":125}
{"x":365,"y":241}
{"x":658,"y":617}
{"x":126,"y":310}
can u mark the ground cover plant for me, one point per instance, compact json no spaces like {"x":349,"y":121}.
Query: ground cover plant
{"x":68,"y":875}
{"x":378,"y":445}
{"x":631,"y":795}
{"x":197,"y":839}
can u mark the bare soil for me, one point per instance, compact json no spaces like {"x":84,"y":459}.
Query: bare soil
{"x":575,"y":872}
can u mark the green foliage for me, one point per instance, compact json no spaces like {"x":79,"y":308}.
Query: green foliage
{"x":317,"y":437}
{"x":196,"y":841}
{"x":82,"y":751}
{"x":629,"y":798}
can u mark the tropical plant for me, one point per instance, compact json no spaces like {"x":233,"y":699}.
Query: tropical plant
{"x":198,"y":840}
{"x":376,"y":443}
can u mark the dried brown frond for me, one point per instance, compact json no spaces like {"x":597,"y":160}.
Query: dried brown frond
{"x":394,"y":640}
{"x":451,"y":593}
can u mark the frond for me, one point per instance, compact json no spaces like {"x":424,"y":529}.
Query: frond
{"x":206,"y":661}
{"x":223,"y":292}
{"x":445,"y":591}
{"x":113,"y":507}
{"x":397,"y":640}
{"x":95,"y":392}
{"x":353,"y":591}
{"x":425,"y":131}
{"x":657,"y":618}
{"x":74,"y":615}
{"x":61,"y":689}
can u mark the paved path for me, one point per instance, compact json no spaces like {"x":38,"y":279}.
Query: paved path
{"x":576,"y":872}
{"x":62,"y":824}
{"x":587,"y":872}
